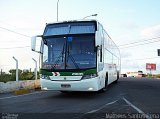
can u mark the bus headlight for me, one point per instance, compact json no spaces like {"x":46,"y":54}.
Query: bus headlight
{"x":44,"y":77}
{"x":88,"y":76}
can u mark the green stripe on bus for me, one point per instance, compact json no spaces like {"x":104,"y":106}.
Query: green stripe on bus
{"x":44,"y":72}
{"x":65,"y":73}
{"x":90,"y":71}
{"x":80,"y":73}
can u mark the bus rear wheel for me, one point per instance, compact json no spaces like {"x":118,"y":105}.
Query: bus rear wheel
{"x":116,"y":81}
{"x":64,"y":91}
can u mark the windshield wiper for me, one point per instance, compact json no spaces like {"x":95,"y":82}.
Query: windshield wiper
{"x":72,"y":59}
{"x":63,"y":52}
{"x":58,"y":58}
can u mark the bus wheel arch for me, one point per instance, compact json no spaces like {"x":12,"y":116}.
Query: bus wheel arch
{"x":105,"y":84}
{"x":116,"y":81}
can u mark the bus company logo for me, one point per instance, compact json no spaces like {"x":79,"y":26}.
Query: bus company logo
{"x":77,"y":74}
{"x":56,"y":73}
{"x":65,"y":78}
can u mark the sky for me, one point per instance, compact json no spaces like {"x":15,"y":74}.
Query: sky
{"x":134,"y":25}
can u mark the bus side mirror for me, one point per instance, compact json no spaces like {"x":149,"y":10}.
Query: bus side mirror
{"x":36,"y":42}
{"x":96,"y":48}
{"x":98,"y":39}
{"x":33,"y":43}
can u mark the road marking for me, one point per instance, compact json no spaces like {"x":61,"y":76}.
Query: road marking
{"x":93,"y":111}
{"x":136,"y":108}
{"x":21,"y":95}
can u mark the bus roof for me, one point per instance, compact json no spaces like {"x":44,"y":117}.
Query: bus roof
{"x":73,"y":21}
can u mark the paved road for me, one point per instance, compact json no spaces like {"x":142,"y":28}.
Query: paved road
{"x":126,"y":99}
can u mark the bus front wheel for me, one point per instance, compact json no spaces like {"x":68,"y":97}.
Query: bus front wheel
{"x":106,"y":85}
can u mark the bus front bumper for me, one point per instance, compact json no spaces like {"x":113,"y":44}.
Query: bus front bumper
{"x":81,"y":85}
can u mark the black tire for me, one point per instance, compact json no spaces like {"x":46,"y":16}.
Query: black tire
{"x":64,"y":91}
{"x":116,"y":81}
{"x":106,"y":84}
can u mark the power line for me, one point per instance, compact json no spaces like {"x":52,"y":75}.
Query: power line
{"x":15,"y":32}
{"x":7,"y":24}
{"x":128,"y":44}
{"x":139,"y":44}
{"x":144,"y":58}
{"x":4,"y":65}
{"x":17,"y":47}
{"x":148,"y":58}
{"x":139,"y":41}
{"x":14,"y":47}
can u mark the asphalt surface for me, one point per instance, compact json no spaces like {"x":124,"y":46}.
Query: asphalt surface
{"x":129,"y":98}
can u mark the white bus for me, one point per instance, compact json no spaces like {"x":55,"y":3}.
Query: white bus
{"x":77,"y":56}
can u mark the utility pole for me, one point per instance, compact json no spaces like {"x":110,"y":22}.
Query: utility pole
{"x":158,"y":51}
{"x":16,"y":68}
{"x":57,"y":9}
{"x":35,"y":70}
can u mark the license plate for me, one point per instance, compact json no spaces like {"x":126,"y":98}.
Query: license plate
{"x":65,"y":85}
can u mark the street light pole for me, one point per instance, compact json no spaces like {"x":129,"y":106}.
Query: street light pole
{"x":35,"y":71}
{"x":57,"y":9}
{"x":90,"y":16}
{"x":16,"y":68}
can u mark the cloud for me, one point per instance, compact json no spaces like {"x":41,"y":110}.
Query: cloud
{"x":129,"y":25}
{"x":123,"y":11}
{"x":129,"y":65}
{"x":150,"y":32}
{"x":125,"y":55}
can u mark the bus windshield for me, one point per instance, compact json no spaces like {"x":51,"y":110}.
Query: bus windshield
{"x":73,"y":52}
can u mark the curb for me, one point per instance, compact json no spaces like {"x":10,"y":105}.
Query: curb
{"x":25,"y":91}
{"x":22,"y":91}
